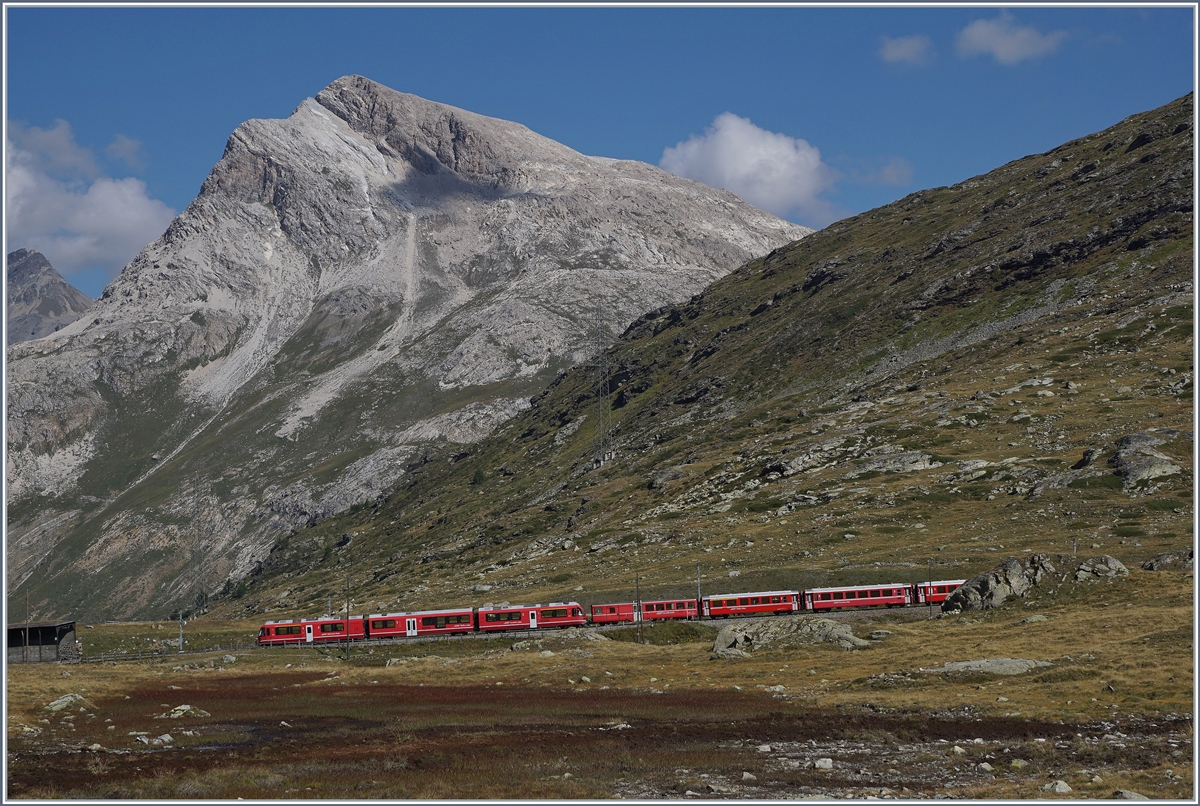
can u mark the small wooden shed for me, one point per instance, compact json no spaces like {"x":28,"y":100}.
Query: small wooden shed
{"x":43,"y":642}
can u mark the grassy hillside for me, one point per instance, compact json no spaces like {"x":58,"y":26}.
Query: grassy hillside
{"x":925,"y":388}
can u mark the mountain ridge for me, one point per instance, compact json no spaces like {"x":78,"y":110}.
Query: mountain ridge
{"x":323,"y":309}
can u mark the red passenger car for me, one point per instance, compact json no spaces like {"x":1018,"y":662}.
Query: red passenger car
{"x":614,"y":613}
{"x":424,"y":622}
{"x":664,"y":609}
{"x":891,"y":594}
{"x":747,"y":604}
{"x":936,"y":591}
{"x":531,"y":617}
{"x":311,"y":631}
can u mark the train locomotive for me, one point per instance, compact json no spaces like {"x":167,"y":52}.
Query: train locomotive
{"x":561,"y":615}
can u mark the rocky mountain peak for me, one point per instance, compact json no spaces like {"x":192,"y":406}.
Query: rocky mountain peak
{"x":373,"y":274}
{"x":435,"y":138}
{"x":39,"y":301}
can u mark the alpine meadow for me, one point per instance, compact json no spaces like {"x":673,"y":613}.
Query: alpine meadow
{"x":400,"y":357}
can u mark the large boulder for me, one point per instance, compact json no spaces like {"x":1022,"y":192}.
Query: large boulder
{"x":1170,"y":561}
{"x":1011,"y":578}
{"x":1136,"y":460}
{"x":739,"y":640}
{"x":1102,"y":567}
{"x":1014,"y":578}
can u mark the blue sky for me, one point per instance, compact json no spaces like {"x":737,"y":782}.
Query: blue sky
{"x":115,"y":115}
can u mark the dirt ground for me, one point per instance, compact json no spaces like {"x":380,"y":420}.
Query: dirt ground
{"x":317,"y":728}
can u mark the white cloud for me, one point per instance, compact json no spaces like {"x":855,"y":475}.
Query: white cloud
{"x":58,"y":203}
{"x":906,"y":49}
{"x":1005,"y":42}
{"x":774,"y":172}
{"x":127,"y":150}
{"x":54,"y":150}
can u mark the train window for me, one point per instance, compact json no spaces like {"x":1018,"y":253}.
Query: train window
{"x":287,"y":630}
{"x":383,"y":624}
{"x":876,"y":594}
{"x":837,"y":595}
{"x":338,"y":627}
{"x":554,"y":613}
{"x":578,"y":611}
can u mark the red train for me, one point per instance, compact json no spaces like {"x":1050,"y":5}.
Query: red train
{"x":422,"y":623}
{"x":457,"y":621}
{"x":748,"y":604}
{"x":623,"y":611}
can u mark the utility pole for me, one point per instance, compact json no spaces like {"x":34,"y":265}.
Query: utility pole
{"x":181,"y":629}
{"x":929,"y":590}
{"x":347,"y":633}
{"x":637,"y":606}
{"x":698,"y":591}
{"x":25,"y":649}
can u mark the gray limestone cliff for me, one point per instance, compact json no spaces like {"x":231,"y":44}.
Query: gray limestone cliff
{"x":374,"y":274}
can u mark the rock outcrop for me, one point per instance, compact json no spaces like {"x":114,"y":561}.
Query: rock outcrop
{"x":738,"y":640}
{"x":1011,"y":578}
{"x":1001,"y":666}
{"x":1102,"y":567}
{"x":374,"y":274}
{"x":1015,"y":578}
{"x":39,"y":301}
{"x":1136,"y":460}
{"x":1171,"y":561}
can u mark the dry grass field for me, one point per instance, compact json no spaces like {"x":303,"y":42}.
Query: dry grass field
{"x":576,"y":716}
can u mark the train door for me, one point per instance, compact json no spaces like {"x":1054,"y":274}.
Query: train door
{"x":410,"y":626}
{"x":308,"y":633}
{"x":533,"y":619}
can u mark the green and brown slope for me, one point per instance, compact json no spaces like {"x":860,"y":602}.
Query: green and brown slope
{"x":989,"y":369}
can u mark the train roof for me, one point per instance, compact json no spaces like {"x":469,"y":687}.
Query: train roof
{"x":303,"y":620}
{"x":466,"y":609}
{"x":644,"y":601}
{"x":942,"y":582}
{"x":860,"y":587}
{"x":750,"y":593}
{"x":528,"y":606}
